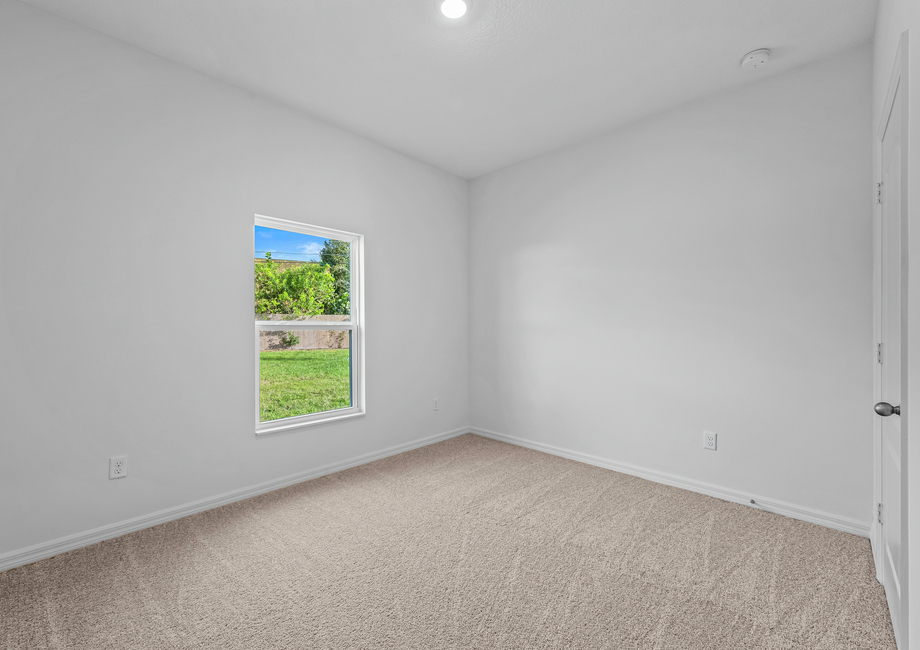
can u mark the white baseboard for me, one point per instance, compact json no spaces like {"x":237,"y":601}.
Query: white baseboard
{"x":801,"y":513}
{"x":72,"y":542}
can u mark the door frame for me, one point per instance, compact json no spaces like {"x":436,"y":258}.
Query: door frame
{"x":899,"y":80}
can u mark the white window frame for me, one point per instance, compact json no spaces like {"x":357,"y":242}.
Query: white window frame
{"x":355,"y":325}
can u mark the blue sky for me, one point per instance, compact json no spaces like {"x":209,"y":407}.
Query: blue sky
{"x":285,"y":245}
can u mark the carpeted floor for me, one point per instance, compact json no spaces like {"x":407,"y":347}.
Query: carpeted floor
{"x":469,"y":543}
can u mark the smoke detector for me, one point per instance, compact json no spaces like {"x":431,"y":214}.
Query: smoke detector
{"x":756,"y":60}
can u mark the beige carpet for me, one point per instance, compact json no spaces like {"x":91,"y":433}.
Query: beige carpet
{"x":468,"y":543}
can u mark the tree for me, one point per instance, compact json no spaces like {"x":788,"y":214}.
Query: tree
{"x":302,"y":290}
{"x":336,"y":256}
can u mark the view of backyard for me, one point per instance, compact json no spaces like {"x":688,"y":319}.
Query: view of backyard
{"x":296,"y":382}
{"x":301,"y":278}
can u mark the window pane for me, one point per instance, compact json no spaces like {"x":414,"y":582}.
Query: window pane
{"x":303,"y":372}
{"x":299,"y":276}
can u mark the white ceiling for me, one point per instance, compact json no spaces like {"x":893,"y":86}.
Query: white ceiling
{"x":513,"y":79}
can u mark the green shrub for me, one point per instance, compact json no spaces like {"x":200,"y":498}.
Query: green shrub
{"x":337,"y":256}
{"x":289,"y":339}
{"x":300,"y":290}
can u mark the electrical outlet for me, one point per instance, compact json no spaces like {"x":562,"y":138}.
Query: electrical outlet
{"x":118,"y":466}
{"x":436,"y":404}
{"x":709,"y":440}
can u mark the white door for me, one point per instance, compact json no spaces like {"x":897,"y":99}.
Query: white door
{"x":893,"y":569}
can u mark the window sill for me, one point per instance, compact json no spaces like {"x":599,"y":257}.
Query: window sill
{"x":288,"y":424}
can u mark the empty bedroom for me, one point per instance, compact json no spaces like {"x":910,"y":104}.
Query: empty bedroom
{"x":459,"y":324}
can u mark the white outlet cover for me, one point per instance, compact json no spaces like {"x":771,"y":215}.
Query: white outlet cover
{"x":118,"y":467}
{"x":709,"y":440}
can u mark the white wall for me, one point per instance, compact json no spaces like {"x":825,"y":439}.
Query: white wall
{"x":708,"y":268}
{"x":895,"y":17}
{"x":128,"y":186}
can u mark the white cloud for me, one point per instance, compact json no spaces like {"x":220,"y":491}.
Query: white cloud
{"x":310,"y":249}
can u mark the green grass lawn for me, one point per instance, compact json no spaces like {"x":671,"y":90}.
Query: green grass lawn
{"x":297,"y":382}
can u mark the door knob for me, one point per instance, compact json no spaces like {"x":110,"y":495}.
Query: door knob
{"x":885,"y":409}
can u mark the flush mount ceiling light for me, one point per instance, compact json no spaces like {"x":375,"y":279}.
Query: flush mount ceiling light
{"x":454,"y":8}
{"x":755,"y":60}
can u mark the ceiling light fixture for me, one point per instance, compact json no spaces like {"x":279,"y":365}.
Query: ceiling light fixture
{"x":454,"y":8}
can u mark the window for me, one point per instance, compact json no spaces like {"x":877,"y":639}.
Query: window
{"x":309,"y":324}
